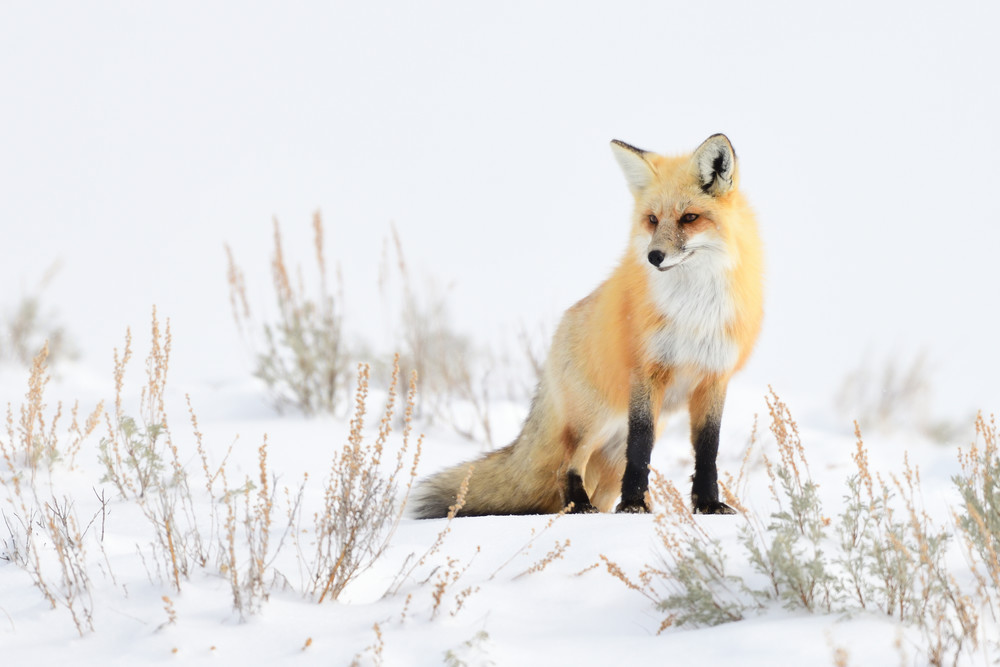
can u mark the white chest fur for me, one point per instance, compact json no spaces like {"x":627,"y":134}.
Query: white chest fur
{"x":695,"y":299}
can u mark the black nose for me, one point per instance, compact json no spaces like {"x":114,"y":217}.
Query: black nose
{"x":656,"y":257}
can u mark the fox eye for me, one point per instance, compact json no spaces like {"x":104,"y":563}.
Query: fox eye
{"x":689,"y":217}
{"x":652,"y":220}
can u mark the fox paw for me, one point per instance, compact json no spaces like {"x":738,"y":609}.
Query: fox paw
{"x":583,"y":508}
{"x":714,"y":507}
{"x":632,"y":508}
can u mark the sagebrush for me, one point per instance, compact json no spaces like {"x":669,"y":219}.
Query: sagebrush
{"x":300,"y":355}
{"x":881,"y":553}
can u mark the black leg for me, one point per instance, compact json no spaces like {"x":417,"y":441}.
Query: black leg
{"x":638,"y":447}
{"x":704,"y":486}
{"x":576,"y":494}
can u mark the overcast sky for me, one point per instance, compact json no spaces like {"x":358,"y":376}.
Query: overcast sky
{"x":136,"y":140}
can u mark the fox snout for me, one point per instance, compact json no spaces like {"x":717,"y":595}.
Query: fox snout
{"x":661,"y":261}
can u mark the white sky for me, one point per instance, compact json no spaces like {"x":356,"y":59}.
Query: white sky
{"x":135,"y":140}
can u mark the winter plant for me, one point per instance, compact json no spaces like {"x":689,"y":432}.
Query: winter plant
{"x":301,"y":355}
{"x":363,"y":502}
{"x":881,"y":553}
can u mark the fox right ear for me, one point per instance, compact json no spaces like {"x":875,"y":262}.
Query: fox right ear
{"x":638,"y":172}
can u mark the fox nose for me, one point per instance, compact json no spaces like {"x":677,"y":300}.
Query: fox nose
{"x":656,"y":257}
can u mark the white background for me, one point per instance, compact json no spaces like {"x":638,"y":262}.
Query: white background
{"x":135,"y":140}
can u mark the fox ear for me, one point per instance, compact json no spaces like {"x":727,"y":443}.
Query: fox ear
{"x":638,"y":172}
{"x":716,"y":163}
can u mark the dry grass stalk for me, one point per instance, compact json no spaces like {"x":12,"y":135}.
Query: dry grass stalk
{"x":361,"y":510}
{"x":462,"y":596}
{"x":168,"y":607}
{"x":82,"y":433}
{"x":67,"y":540}
{"x":557,"y":552}
{"x":447,"y":577}
{"x":732,"y":488}
{"x":406,"y":608}
{"x":228,"y":563}
{"x":210,"y":477}
{"x":616,"y":571}
{"x":526,"y":547}
{"x":376,"y":649}
{"x":411,"y":563}
{"x":237,"y":291}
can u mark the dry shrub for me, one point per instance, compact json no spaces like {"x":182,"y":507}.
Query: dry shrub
{"x":34,"y":442}
{"x":978,"y":521}
{"x":236,"y":528}
{"x":24,"y":330}
{"x":46,"y":538}
{"x":892,"y":559}
{"x":882,"y":553}
{"x":449,"y":367}
{"x":890,"y":550}
{"x":690,"y":583}
{"x":789,"y":548}
{"x":247,"y":550}
{"x":47,"y":541}
{"x":142,"y":462}
{"x":301,"y":356}
{"x":894,"y":395}
{"x":360,"y":509}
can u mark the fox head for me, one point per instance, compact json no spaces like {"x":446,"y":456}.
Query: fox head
{"x":681,"y":203}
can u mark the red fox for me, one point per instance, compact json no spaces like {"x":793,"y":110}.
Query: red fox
{"x":679,"y":315}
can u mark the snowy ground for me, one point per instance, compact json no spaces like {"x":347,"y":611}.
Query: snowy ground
{"x":568,"y":613}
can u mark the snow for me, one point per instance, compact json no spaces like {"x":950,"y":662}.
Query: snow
{"x":137,"y":140}
{"x":571,"y":610}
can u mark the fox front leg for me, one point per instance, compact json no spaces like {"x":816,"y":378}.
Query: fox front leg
{"x":638,"y":447}
{"x":705,"y":409}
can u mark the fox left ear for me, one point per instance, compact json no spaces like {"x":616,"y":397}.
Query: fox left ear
{"x":716,"y":163}
{"x":638,"y":172}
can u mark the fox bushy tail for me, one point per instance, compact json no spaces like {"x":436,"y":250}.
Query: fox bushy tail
{"x":501,"y":482}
